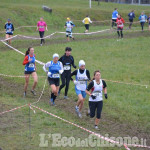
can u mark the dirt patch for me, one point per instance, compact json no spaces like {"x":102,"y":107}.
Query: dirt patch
{"x":108,"y":125}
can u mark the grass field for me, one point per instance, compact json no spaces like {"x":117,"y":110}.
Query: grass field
{"x":125,"y":113}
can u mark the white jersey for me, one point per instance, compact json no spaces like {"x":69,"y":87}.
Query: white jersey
{"x":82,"y":80}
{"x":98,"y":88}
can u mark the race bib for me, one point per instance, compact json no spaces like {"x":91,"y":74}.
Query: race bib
{"x":31,"y":65}
{"x":96,"y":94}
{"x":41,"y":26}
{"x":55,"y":75}
{"x":82,"y":82}
{"x":66,"y":67}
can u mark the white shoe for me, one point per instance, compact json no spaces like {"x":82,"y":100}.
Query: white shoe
{"x":77,"y":109}
{"x":24,"y":94}
{"x":80,"y":115}
{"x":96,"y":127}
{"x":41,"y":44}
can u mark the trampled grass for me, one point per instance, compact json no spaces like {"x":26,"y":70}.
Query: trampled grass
{"x":125,"y":113}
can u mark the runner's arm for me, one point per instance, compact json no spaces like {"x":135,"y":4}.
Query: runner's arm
{"x":88,"y":74}
{"x":73,"y":74}
{"x":74,"y":66}
{"x":26,"y":61}
{"x":90,"y":86}
{"x":12,"y":27}
{"x":46,"y":66}
{"x":62,"y":69}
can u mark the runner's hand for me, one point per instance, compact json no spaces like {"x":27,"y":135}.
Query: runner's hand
{"x":106,"y":96}
{"x":60,"y":71}
{"x":49,"y":74}
{"x":75,"y":82}
{"x":93,"y":96}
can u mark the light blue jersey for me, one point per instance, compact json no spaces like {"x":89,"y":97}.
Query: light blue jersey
{"x":143,"y":18}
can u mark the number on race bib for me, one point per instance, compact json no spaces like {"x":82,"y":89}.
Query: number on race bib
{"x":31,"y":65}
{"x":82,"y":82}
{"x":66,"y":67}
{"x":55,"y":75}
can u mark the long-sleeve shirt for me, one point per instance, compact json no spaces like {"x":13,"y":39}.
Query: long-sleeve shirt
{"x":142,"y":18}
{"x":131,"y":15}
{"x":87,"y":20}
{"x":67,"y":61}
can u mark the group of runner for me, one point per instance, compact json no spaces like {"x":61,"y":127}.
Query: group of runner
{"x":62,"y":67}
{"x":117,"y":20}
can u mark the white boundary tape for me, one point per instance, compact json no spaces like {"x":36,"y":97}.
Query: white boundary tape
{"x":1,"y":113}
{"x":91,"y":132}
{"x":19,"y":76}
{"x":21,"y":52}
{"x":52,"y":34}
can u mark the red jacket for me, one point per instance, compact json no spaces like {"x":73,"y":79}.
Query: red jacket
{"x":120,"y":22}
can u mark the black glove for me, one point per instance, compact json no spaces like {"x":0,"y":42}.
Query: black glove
{"x":105,"y":96}
{"x":93,"y":96}
{"x":75,"y":67}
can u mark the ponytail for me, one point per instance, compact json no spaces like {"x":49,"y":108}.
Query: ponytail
{"x":27,"y":52}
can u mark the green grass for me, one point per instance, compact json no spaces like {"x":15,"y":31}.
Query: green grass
{"x":125,"y":61}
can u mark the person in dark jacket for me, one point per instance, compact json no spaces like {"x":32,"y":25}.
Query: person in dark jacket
{"x":67,"y":60}
{"x":131,"y":16}
{"x":9,"y":31}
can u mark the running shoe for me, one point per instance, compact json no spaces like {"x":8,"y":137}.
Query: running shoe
{"x":33,"y":92}
{"x":77,"y":109}
{"x":66,"y":97}
{"x":80,"y":115}
{"x":96,"y":127}
{"x":24,"y":94}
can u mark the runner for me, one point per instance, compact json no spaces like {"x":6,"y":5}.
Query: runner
{"x":67,"y":60}
{"x":69,"y":26}
{"x":9,"y":30}
{"x":148,"y":19}
{"x":82,"y":76}
{"x":114,"y":17}
{"x":131,"y":16}
{"x":96,"y":97}
{"x":120,"y":21}
{"x":143,"y":19}
{"x":87,"y":22}
{"x":55,"y":69}
{"x":41,"y":25}
{"x":30,"y":69}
